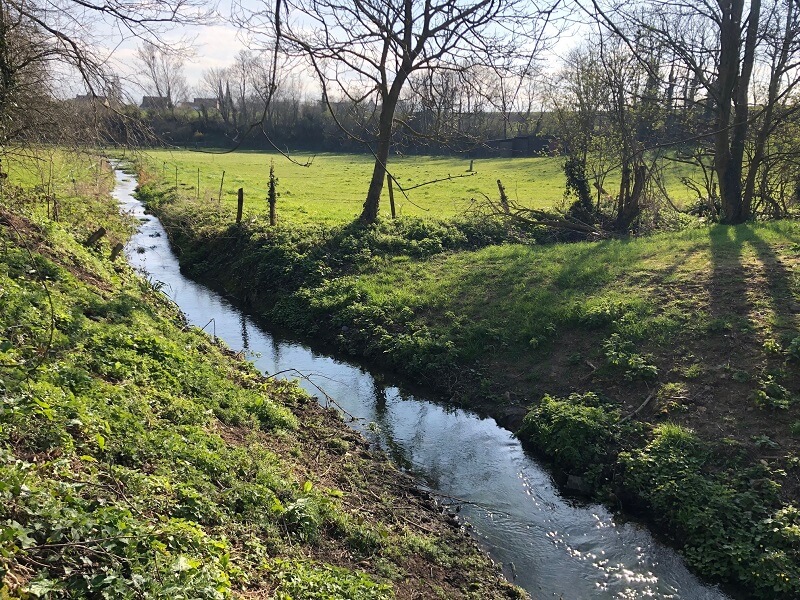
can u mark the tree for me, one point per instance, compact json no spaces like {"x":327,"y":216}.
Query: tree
{"x":25,"y":98}
{"x":48,"y":45}
{"x":609,"y":108}
{"x":364,"y":52}
{"x":718,"y":47}
{"x":162,"y":73}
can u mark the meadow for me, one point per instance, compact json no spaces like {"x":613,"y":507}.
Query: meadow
{"x":330,"y":188}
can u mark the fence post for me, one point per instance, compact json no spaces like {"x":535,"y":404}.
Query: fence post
{"x":95,"y":237}
{"x":391,"y":196}
{"x":116,"y":251}
{"x":221,"y":181}
{"x":239,"y":205}
{"x":272,"y":195}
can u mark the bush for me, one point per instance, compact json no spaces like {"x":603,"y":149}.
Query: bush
{"x":579,"y":433}
{"x":728,"y":523}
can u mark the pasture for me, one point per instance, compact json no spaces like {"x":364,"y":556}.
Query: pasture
{"x":332,"y":188}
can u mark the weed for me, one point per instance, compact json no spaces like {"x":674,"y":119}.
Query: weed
{"x":771,"y":394}
{"x":764,"y":441}
{"x":315,"y":581}
{"x":577,"y":432}
{"x":673,"y":397}
{"x":740,"y":375}
{"x":773,"y":346}
{"x":793,"y":348}
{"x":757,"y":545}
{"x":619,"y":355}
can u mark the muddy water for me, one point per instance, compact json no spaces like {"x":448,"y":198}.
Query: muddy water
{"x":551,"y":546}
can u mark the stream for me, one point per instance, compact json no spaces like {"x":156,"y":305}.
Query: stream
{"x":551,"y":546}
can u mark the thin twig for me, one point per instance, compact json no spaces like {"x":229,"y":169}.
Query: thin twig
{"x":638,"y":410}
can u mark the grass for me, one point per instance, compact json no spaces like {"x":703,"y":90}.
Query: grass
{"x":691,"y":338}
{"x":64,"y":173}
{"x":531,"y":293}
{"x":332,"y":189}
{"x":139,"y":459}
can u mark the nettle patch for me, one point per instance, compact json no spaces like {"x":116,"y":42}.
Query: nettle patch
{"x":726,"y":516}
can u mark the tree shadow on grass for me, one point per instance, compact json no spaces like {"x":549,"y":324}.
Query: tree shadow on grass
{"x":782,"y":289}
{"x":727,"y":288}
{"x":736,"y":284}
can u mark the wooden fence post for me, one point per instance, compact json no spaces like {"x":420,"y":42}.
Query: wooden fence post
{"x":391,"y":196}
{"x":116,"y":251}
{"x":272,"y":195}
{"x":221,"y":181}
{"x":240,"y":205}
{"x":95,"y":237}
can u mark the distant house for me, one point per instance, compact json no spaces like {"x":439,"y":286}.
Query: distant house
{"x":522,"y":145}
{"x":154,"y":103}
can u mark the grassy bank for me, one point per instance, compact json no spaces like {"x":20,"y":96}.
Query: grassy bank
{"x":660,"y":373}
{"x":139,"y":459}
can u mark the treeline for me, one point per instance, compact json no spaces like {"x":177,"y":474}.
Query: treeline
{"x":244,"y":105}
{"x":713,"y":87}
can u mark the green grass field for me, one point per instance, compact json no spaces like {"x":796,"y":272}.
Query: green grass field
{"x":55,"y":170}
{"x":333,"y":187}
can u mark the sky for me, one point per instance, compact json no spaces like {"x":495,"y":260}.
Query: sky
{"x":215,"y":45}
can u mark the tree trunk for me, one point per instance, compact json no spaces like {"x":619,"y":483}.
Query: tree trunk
{"x":631,"y":205}
{"x":734,"y":87}
{"x":369,"y":214}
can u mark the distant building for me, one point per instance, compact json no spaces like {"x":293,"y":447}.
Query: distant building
{"x":523,"y":145}
{"x":154,"y":103}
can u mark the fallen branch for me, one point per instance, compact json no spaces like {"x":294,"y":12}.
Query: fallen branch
{"x":638,"y":410}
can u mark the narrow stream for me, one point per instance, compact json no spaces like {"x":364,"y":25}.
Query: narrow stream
{"x":551,"y":546}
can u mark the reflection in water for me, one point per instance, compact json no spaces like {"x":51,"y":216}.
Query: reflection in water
{"x":553,"y":546}
{"x":245,"y":337}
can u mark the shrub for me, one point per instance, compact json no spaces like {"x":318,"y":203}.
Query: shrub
{"x":578,"y":432}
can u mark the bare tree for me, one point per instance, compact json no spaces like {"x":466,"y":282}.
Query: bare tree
{"x":719,"y":47}
{"x":215,"y":83}
{"x":25,"y":96}
{"x":162,"y":74}
{"x":46,"y":46}
{"x":364,"y":52}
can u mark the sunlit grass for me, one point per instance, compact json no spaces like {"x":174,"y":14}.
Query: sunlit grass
{"x":54,"y":170}
{"x":332,"y":188}
{"x":521,"y":296}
